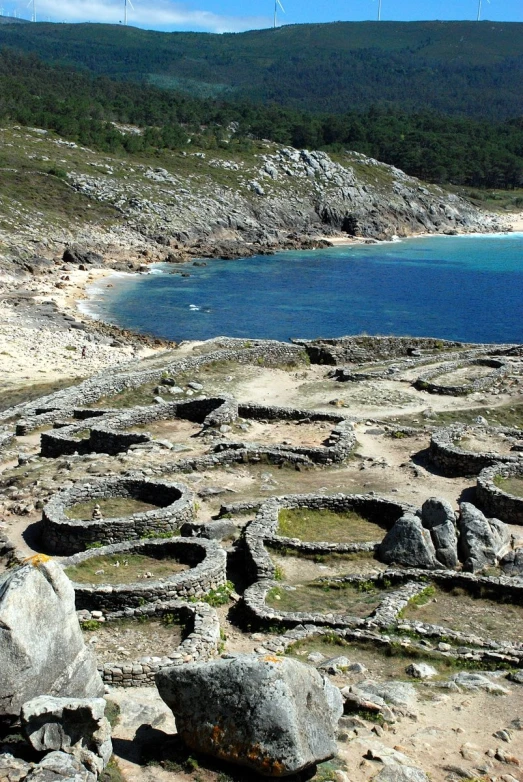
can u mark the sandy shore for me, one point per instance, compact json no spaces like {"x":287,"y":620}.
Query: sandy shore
{"x":38,"y":345}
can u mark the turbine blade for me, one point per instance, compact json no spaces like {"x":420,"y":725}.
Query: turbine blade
{"x":282,"y":8}
{"x":129,"y":2}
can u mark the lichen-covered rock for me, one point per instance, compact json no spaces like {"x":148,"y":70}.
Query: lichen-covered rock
{"x":482,"y":541}
{"x":438,"y":516}
{"x":274,"y":715}
{"x":41,"y":644}
{"x":60,"y":767}
{"x":512,"y":563}
{"x":77,"y":726}
{"x":408,"y":544}
{"x":436,"y":511}
{"x":397,"y":773}
{"x":13,"y":769}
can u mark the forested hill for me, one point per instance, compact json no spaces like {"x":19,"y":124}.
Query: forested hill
{"x":84,"y":108}
{"x":456,"y":68}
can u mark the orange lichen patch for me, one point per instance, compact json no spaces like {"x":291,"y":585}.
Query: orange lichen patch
{"x":36,"y":559}
{"x":270,"y":658}
{"x":216,"y":734}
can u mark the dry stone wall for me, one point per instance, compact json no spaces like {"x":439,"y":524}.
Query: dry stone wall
{"x":201,"y":641}
{"x":493,"y":499}
{"x":62,"y":535}
{"x":427,"y":381}
{"x":446,"y":453}
{"x":208,"y":571}
{"x":263,"y":529}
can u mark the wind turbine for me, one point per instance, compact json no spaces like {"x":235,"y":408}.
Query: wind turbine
{"x":479,"y":9}
{"x":379,"y":10}
{"x":276,"y":4}
{"x":125,"y":2}
{"x":32,"y":3}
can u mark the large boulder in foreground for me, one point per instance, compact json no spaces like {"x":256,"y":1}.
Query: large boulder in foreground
{"x":274,"y":715}
{"x":407,"y":543}
{"x":42,"y":649}
{"x":482,"y":541}
{"x":77,"y":726}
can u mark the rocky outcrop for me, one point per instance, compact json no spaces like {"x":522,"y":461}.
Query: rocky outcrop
{"x":41,"y":645}
{"x":273,"y":715}
{"x":281,"y":199}
{"x":77,"y":726}
{"x":438,"y":516}
{"x":408,"y":544}
{"x":82,"y":256}
{"x":482,"y":541}
{"x":54,"y":767}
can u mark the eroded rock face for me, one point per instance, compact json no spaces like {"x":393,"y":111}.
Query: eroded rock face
{"x":41,"y":644}
{"x":482,"y":541}
{"x":408,"y":544}
{"x":273,"y":715}
{"x":75,"y":725}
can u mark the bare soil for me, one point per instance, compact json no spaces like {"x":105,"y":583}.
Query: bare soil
{"x":462,"y":376}
{"x":295,"y":569}
{"x":480,"y":442}
{"x":128,"y":640}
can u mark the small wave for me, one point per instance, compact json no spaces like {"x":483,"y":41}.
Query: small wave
{"x":88,"y":307}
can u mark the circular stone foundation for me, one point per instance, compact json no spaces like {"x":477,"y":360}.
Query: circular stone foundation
{"x":207,"y":570}
{"x":64,"y":536}
{"x":449,"y":452}
{"x":495,"y":491}
{"x":428,"y":380}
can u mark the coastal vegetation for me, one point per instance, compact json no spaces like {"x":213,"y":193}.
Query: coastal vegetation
{"x":139,"y":120}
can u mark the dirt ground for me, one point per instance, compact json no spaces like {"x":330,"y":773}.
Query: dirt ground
{"x":447,"y":733}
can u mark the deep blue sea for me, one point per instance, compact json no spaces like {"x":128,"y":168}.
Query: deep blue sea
{"x":467,"y":288}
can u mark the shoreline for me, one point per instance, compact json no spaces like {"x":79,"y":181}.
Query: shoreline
{"x":333,"y":242}
{"x":40,"y":350}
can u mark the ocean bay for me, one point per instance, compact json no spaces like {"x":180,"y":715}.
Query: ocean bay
{"x":468,"y":288}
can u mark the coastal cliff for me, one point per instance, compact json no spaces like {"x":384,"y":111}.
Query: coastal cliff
{"x":207,"y":204}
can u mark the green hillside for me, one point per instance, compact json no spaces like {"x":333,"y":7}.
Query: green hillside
{"x":83,"y":108}
{"x":466,"y":68}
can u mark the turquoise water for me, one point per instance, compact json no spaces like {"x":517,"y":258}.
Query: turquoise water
{"x":466,"y":288}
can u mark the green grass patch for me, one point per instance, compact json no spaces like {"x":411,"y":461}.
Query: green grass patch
{"x":122,"y":569}
{"x":327,"y":526}
{"x":111,"y":508}
{"x":511,"y":485}
{"x":10,"y":397}
{"x":326,"y":597}
{"x":478,"y":612}
{"x":129,"y":397}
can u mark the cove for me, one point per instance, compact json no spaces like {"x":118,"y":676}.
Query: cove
{"x":467,"y":288}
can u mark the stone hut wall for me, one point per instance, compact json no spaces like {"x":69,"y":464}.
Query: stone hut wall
{"x":493,"y":500}
{"x":62,"y":535}
{"x":454,"y":461}
{"x":208,"y":571}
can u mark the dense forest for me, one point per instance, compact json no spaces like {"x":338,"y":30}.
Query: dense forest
{"x":455,"y":68}
{"x":83,"y":108}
